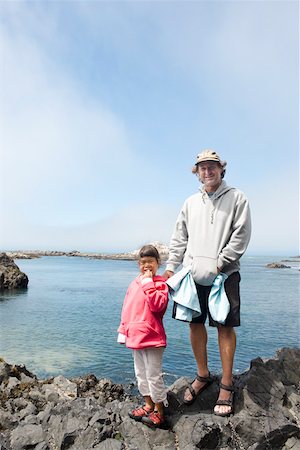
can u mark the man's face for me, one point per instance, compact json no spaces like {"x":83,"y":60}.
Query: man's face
{"x":210,"y":174}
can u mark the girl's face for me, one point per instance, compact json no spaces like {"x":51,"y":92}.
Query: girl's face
{"x":148,"y":263}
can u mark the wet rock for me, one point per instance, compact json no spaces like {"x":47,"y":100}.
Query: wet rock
{"x":103,"y":390}
{"x":11,"y":276}
{"x":60,"y":387}
{"x":20,"y":372}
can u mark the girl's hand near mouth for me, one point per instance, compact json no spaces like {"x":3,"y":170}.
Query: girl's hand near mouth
{"x":147,"y":274}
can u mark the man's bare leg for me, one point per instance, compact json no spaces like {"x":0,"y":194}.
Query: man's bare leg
{"x":227,"y":346}
{"x":198,"y":338}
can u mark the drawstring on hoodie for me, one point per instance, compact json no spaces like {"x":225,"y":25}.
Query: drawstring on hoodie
{"x":220,"y":192}
{"x":212,"y":214}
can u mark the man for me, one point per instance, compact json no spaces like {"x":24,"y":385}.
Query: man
{"x":211,"y":234}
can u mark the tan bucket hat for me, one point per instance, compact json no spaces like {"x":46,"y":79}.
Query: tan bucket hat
{"x":209,"y":155}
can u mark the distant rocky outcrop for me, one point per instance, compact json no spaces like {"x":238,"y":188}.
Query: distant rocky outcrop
{"x":162,"y":248}
{"x":11,"y":276}
{"x":86,"y":413}
{"x":276,"y":265}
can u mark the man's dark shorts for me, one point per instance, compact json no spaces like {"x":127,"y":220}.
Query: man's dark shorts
{"x":232,"y":289}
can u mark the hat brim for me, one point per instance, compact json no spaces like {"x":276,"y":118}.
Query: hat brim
{"x":222,"y":163}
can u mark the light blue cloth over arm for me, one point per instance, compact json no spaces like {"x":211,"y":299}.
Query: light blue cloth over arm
{"x":218,"y":303}
{"x":184,"y":293}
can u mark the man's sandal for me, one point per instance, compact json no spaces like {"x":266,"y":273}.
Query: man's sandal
{"x":207,"y":380}
{"x":228,"y":402}
{"x":140,"y":412}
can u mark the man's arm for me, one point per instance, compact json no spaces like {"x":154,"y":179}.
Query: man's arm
{"x":240,"y":236}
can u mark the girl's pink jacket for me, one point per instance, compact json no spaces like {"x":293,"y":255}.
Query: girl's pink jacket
{"x":142,"y":313}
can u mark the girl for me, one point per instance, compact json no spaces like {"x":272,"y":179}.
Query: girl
{"x":142,"y":330}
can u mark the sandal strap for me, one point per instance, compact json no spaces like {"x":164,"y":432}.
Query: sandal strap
{"x":192,"y":391}
{"x":227,"y":388}
{"x":140,"y":410}
{"x":146,"y":408}
{"x":154,"y":418}
{"x":224,"y":402}
{"x":203,"y":379}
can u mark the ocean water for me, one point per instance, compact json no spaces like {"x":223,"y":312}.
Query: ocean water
{"x":66,"y":321}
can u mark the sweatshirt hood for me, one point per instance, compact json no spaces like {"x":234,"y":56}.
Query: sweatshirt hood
{"x":222,"y":189}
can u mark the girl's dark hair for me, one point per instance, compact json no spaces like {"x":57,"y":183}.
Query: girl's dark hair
{"x":149,"y":250}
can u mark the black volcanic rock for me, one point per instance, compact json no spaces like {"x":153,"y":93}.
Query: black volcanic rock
{"x":86,"y":413}
{"x":11,"y":276}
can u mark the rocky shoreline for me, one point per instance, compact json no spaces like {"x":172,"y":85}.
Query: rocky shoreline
{"x":127,"y":256}
{"x":86,"y":413}
{"x":133,"y":255}
{"x":32,"y":254}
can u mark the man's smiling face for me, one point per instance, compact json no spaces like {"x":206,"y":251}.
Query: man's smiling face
{"x":210,"y":173}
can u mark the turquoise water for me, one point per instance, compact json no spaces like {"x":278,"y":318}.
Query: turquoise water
{"x":66,"y":321}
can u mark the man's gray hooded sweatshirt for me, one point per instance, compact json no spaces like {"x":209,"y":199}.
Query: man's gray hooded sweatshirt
{"x":211,"y":233}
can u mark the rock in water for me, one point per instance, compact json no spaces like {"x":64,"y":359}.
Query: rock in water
{"x":276,"y":265}
{"x":11,"y":276}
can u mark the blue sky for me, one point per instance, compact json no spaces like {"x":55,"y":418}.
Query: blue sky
{"x":104,"y":106}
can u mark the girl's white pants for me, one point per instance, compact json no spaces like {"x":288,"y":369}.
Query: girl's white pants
{"x":148,"y":372}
